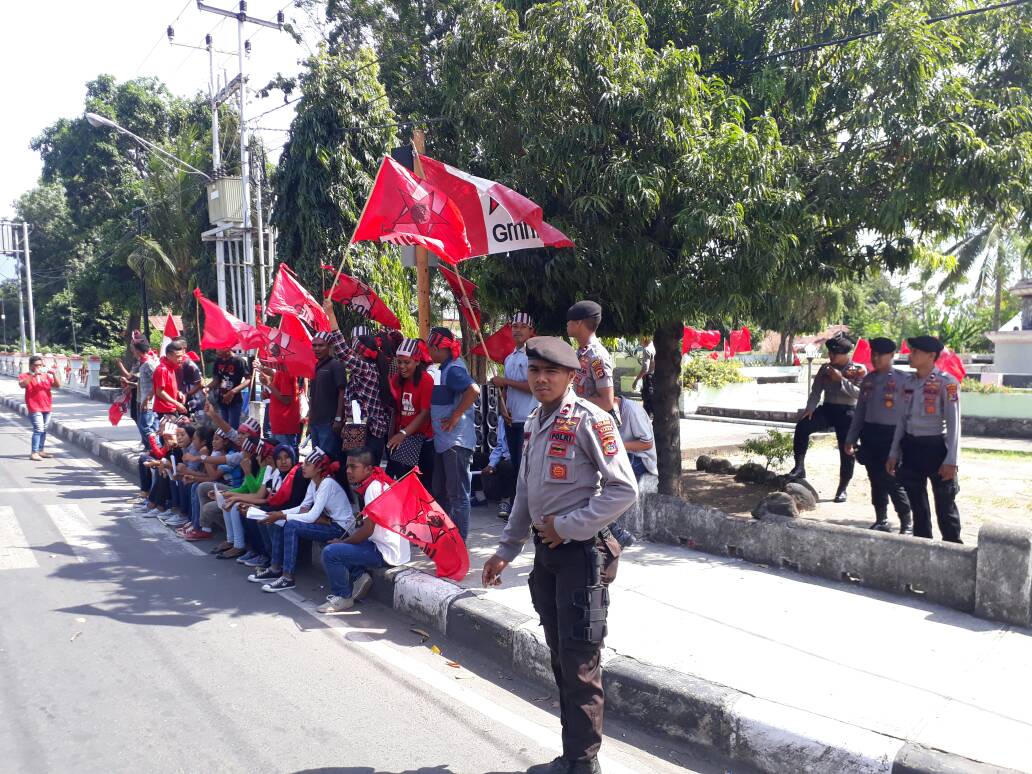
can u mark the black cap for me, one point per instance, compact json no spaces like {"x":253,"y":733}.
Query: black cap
{"x":585,"y":310}
{"x":553,"y":350}
{"x":925,"y":344}
{"x":882,"y":346}
{"x":840,"y":344}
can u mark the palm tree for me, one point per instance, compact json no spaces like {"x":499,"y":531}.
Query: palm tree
{"x":995,"y":251}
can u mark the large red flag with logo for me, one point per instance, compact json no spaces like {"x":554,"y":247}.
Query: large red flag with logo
{"x":288,"y":296}
{"x":862,"y":354}
{"x":290,"y":346}
{"x":404,"y":210}
{"x":408,"y":509}
{"x":950,"y":362}
{"x":224,"y":331}
{"x":469,"y":305}
{"x":500,"y":344}
{"x":498,"y":219}
{"x":358,"y":296}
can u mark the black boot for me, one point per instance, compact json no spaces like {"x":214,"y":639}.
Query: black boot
{"x":881,"y":522}
{"x":799,"y":471}
{"x":560,"y":765}
{"x":906,"y":526}
{"x":586,"y":767}
{"x":840,"y":494}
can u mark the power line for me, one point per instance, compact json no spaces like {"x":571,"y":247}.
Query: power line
{"x":272,"y":110}
{"x":154,"y":48}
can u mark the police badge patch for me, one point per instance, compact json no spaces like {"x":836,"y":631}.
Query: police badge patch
{"x":598,"y":368}
{"x":557,"y":471}
{"x":606,"y":432}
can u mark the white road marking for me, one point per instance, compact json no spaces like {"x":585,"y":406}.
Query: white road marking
{"x":15,"y":553}
{"x":29,"y":489}
{"x":154,"y":532}
{"x":79,"y":534}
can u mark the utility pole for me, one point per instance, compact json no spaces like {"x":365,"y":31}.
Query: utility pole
{"x":144,"y":311}
{"x":260,"y":161}
{"x":14,"y":242}
{"x":28,"y":285}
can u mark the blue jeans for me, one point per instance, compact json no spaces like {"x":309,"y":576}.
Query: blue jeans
{"x":327,"y":440}
{"x":234,"y":527}
{"x":285,"y":537}
{"x":345,"y":563}
{"x":148,"y":423}
{"x":231,"y":413}
{"x":452,"y":484}
{"x":638,"y":466}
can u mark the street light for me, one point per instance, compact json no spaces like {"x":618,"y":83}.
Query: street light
{"x":99,"y":121}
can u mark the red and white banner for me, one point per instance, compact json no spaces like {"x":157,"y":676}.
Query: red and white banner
{"x":288,"y":296}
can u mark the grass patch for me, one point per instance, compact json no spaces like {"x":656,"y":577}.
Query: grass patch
{"x":1005,"y":454}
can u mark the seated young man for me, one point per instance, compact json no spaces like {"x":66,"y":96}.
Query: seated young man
{"x":348,"y":559}
{"x":222,"y":471}
{"x":325,"y":514}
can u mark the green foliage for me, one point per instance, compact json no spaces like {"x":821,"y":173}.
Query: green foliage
{"x":706,"y":371}
{"x":776,"y":447}
{"x":984,"y":388}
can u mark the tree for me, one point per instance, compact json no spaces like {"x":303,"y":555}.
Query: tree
{"x":792,"y":310}
{"x":994,"y":253}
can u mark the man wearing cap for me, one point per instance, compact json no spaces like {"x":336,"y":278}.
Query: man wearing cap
{"x":839,"y":382}
{"x":518,"y":397}
{"x":575,"y":481}
{"x":455,"y":436}
{"x":327,"y":397}
{"x":874,"y":422}
{"x":926,"y":443}
{"x":595,"y":370}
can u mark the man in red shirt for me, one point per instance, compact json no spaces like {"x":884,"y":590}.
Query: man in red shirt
{"x":37,"y":384}
{"x":284,"y":405}
{"x":167,"y":399}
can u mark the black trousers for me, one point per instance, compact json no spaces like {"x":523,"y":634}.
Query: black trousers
{"x":875,"y":445}
{"x":827,"y":416}
{"x":568,"y":588}
{"x":500,"y":485}
{"x":647,"y":391}
{"x":514,"y":440}
{"x":921,"y":458}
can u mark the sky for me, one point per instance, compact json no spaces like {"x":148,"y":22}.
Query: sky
{"x":50,"y":50}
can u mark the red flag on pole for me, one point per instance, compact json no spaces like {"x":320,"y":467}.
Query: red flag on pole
{"x":500,"y":344}
{"x":904,"y":348}
{"x":408,"y":509}
{"x":740,"y":341}
{"x":470,"y":309}
{"x":709,"y":339}
{"x":356,"y":295}
{"x":171,"y":331}
{"x":498,"y":219}
{"x":222,"y":330}
{"x":862,"y":354}
{"x":290,"y":345}
{"x":288,"y":296}
{"x":404,"y":210}
{"x":689,"y":340}
{"x":950,"y":362}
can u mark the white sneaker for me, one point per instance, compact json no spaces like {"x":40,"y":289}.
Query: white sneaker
{"x":362,"y":586}
{"x":335,"y":604}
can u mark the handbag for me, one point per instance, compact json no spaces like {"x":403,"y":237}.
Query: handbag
{"x":408,"y":451}
{"x":355,"y":433}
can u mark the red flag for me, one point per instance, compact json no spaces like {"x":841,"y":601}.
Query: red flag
{"x":288,"y":296}
{"x":171,"y":331}
{"x":728,"y":350}
{"x":469,"y":305}
{"x":222,"y":330}
{"x":951,"y":363}
{"x":290,"y":345}
{"x":404,"y":210}
{"x":904,"y":348}
{"x":862,"y":354}
{"x":498,"y":219}
{"x":120,"y":406}
{"x":740,"y":341}
{"x":713,"y":356}
{"x":500,"y":344}
{"x":689,"y":340}
{"x":709,"y":339}
{"x":408,"y":509}
{"x":356,"y":295}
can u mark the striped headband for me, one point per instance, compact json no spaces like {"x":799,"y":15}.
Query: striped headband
{"x":359,"y":330}
{"x":251,"y":427}
{"x":439,"y":336}
{"x":415,"y":349}
{"x":321,"y":336}
{"x":522,"y":318}
{"x":221,"y":433}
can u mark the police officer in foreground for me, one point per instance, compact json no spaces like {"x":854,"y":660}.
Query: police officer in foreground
{"x":839,"y":382}
{"x":926,"y":443}
{"x":874,"y":423}
{"x":575,"y":480}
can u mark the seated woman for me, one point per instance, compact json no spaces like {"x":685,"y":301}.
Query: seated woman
{"x":287,"y":488}
{"x":347,"y":560}
{"x":324,"y":514}
{"x":233,"y":546}
{"x":152,"y":475}
{"x":221,"y":471}
{"x":189,"y":473}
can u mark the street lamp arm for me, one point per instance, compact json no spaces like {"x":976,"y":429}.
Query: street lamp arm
{"x":100,"y":121}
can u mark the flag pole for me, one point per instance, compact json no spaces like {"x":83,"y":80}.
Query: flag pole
{"x":502,"y":407}
{"x":351,"y":241}
{"x":197,"y":319}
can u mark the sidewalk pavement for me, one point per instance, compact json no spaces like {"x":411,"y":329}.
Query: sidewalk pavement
{"x":781,"y":671}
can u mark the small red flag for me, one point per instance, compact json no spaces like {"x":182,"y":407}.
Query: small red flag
{"x":120,"y":406}
{"x":404,"y":210}
{"x":288,"y":296}
{"x":500,"y":344}
{"x":862,"y":354}
{"x":469,"y":305}
{"x":222,"y":330}
{"x":904,"y":348}
{"x":358,"y":296}
{"x":408,"y":509}
{"x":171,"y":331}
{"x":290,"y":345}
{"x":740,"y":341}
{"x":951,"y":363}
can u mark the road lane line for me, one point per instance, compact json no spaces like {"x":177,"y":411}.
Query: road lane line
{"x":79,"y":534}
{"x":154,"y":532}
{"x":15,"y":553}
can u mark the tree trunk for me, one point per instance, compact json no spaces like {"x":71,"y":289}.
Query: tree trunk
{"x":998,"y":297}
{"x":782,"y":342}
{"x":666,"y":421}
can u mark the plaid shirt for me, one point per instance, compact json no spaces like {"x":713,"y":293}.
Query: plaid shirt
{"x":363,"y":385}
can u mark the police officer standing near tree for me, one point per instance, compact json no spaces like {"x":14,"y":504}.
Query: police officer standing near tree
{"x":575,"y":480}
{"x":594,"y":380}
{"x":839,"y":382}
{"x":874,"y":423}
{"x":926,"y":443}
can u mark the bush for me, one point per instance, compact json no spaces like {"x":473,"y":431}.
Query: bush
{"x":776,"y":448}
{"x":973,"y":385}
{"x":704,"y":370}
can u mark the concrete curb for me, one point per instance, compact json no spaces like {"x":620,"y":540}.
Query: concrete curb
{"x":744,"y":728}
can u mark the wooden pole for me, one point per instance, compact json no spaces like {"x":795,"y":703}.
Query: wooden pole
{"x":197,"y":318}
{"x":422,"y":256}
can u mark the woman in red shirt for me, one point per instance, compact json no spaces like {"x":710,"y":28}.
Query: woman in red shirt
{"x":37,"y":384}
{"x":410,"y":441}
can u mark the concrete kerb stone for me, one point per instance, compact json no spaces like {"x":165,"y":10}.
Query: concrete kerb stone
{"x":486,"y":626}
{"x":426,"y":598}
{"x":917,"y":759}
{"x":1003,"y":585}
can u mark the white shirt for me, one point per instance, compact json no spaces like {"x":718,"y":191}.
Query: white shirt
{"x":272,"y":480}
{"x":519,"y":402}
{"x":393,"y":547}
{"x":326,"y":500}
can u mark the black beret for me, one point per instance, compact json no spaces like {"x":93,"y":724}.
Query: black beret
{"x":584,"y":310}
{"x":882,"y":346}
{"x":553,"y":350}
{"x":925,"y":344}
{"x":840,"y":344}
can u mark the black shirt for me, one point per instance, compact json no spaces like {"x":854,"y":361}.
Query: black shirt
{"x":228,"y":374}
{"x":330,"y":378}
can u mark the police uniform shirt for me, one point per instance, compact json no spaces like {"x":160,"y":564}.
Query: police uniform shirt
{"x":519,"y":402}
{"x":930,"y":407}
{"x":596,"y":369}
{"x":843,"y":393}
{"x":878,"y":402}
{"x":648,"y":359}
{"x":574,"y":468}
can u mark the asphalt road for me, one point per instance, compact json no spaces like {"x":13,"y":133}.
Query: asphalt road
{"x":122,"y":648}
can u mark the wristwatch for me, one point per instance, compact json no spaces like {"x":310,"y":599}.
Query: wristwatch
{"x":336,"y":419}
{"x":402,"y":431}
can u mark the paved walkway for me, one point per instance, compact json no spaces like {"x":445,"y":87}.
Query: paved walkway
{"x":884,"y":663}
